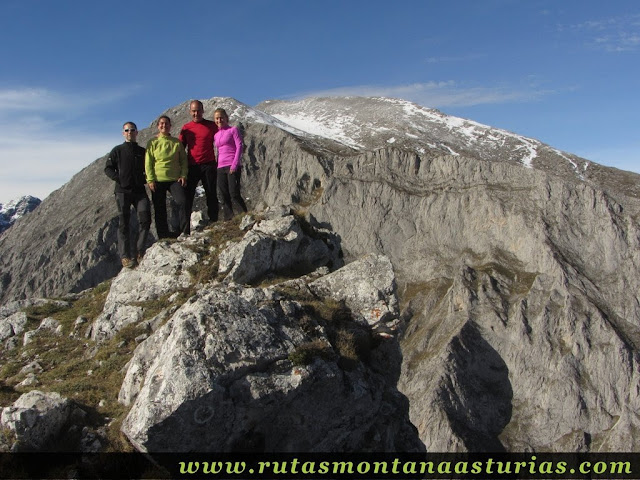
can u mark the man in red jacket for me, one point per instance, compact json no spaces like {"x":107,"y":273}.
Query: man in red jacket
{"x":197,"y":137}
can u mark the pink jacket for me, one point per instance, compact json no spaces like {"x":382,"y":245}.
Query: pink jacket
{"x":229,"y":145}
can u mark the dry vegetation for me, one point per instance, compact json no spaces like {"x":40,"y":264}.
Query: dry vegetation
{"x":350,"y":342}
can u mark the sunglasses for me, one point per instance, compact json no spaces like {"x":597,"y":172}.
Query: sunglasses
{"x":129,"y":130}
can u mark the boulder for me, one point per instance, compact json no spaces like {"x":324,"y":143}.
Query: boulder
{"x":222,"y":366}
{"x":36,"y":418}
{"x":12,"y":325}
{"x":278,"y":246}
{"x":163,"y":270}
{"x":367,"y":286}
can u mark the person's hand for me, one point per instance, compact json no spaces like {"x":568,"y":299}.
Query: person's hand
{"x":232,"y":170}
{"x":182,"y":181}
{"x":152,"y":186}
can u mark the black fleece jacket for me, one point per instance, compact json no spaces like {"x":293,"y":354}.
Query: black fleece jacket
{"x":125,"y":165}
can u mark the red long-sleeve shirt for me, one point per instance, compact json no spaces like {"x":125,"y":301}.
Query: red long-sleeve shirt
{"x":197,"y":137}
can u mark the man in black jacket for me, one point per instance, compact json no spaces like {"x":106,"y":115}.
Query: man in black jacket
{"x":125,"y":165}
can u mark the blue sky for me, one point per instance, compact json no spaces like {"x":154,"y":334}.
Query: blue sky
{"x":565,"y":72}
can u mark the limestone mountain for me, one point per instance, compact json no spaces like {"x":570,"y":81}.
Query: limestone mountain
{"x":517,"y":265}
{"x":14,"y":210}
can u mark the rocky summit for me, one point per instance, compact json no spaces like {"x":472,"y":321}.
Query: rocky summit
{"x":442,"y":285}
{"x":292,"y":363}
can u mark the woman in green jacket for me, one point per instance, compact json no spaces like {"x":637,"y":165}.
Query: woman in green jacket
{"x":166,"y":170}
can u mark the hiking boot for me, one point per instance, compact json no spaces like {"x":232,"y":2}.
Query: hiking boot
{"x":127,"y":263}
{"x":139,"y":257}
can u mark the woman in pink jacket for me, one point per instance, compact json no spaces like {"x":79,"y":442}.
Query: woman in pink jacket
{"x":229,"y":144}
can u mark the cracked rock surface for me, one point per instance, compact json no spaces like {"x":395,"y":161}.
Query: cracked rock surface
{"x":219,"y":375}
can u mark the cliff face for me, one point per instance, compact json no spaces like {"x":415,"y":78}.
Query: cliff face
{"x":520,"y":295}
{"x":518,"y":274}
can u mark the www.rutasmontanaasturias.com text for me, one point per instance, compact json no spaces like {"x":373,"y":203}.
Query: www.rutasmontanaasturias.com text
{"x":389,"y":468}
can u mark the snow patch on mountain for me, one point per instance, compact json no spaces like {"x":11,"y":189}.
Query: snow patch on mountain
{"x":13,"y":210}
{"x":375,"y":122}
{"x":336,"y":130}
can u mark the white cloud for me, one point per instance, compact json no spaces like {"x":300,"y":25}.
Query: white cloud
{"x":39,"y":167}
{"x":36,"y":154}
{"x":27,"y":99}
{"x":620,"y":42}
{"x":455,"y":59}
{"x":439,"y":94}
{"x":613,"y":34}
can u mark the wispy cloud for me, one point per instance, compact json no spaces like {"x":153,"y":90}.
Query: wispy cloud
{"x":456,"y":59}
{"x":614,"y":34}
{"x":36,"y":157}
{"x":38,"y":167}
{"x":439,"y":94}
{"x":45,"y":100}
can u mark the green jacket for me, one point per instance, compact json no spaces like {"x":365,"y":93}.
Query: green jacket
{"x":165,"y":160}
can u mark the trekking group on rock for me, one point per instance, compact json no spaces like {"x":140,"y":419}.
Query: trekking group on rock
{"x":174,"y":165}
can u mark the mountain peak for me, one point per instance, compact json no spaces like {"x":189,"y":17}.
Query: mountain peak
{"x":371,"y":123}
{"x":368,"y":123}
{"x":13,"y":210}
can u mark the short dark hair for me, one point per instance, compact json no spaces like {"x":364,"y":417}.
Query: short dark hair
{"x":129,"y":123}
{"x":165,"y":117}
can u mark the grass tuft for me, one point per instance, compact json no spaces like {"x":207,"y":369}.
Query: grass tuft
{"x":305,"y":353}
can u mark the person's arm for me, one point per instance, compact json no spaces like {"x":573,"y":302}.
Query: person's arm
{"x":111,"y":167}
{"x":184,"y":165}
{"x":183,"y":138}
{"x":149,"y":167}
{"x":237,"y":139}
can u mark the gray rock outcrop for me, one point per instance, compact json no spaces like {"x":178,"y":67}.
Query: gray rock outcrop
{"x":163,"y":270}
{"x":222,"y":365}
{"x":277,"y":247}
{"x":36,"y":418}
{"x":12,"y":325}
{"x":367,"y":287}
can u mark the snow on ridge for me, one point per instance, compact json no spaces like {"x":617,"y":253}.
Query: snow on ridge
{"x":371,"y":122}
{"x":266,"y":119}
{"x":300,"y":124}
{"x":574,"y":165}
{"x":334,"y":130}
{"x":562,"y":155}
{"x":527,"y":160}
{"x":11,"y":205}
{"x":239,"y":110}
{"x":476,"y":132}
{"x":352,"y":120}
